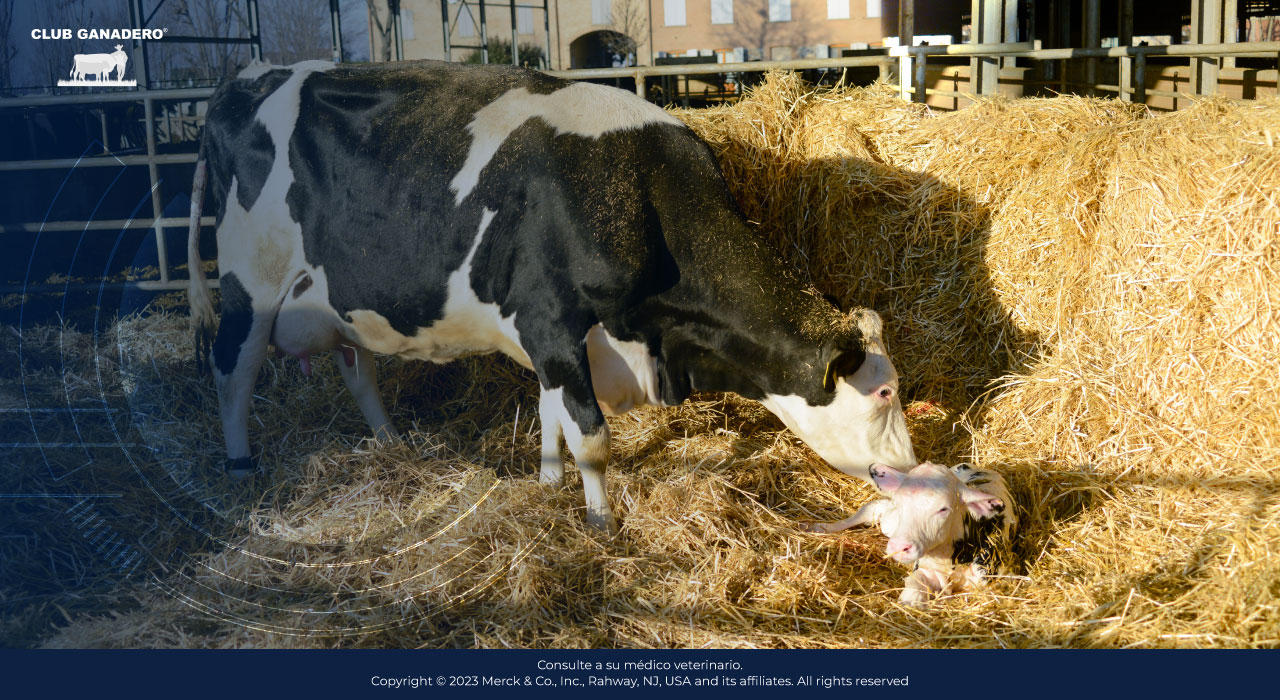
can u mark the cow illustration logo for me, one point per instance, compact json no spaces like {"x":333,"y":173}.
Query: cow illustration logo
{"x":95,"y":69}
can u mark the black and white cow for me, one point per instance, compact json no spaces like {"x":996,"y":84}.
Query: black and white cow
{"x":432,"y":210}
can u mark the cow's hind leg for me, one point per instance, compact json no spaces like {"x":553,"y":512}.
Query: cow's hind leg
{"x":356,"y":365}
{"x":238,"y":352}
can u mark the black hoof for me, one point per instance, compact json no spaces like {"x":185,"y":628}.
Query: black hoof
{"x":241,"y":468}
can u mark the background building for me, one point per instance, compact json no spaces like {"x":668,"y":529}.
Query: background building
{"x":605,"y":33}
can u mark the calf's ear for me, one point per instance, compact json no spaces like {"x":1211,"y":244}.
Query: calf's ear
{"x":981,"y":504}
{"x":886,"y":478}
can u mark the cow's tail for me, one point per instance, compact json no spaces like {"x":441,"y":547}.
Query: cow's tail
{"x":201,"y":303}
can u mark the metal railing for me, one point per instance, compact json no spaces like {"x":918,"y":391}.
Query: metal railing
{"x":152,"y":160}
{"x":912,"y":63}
{"x":642,"y":73}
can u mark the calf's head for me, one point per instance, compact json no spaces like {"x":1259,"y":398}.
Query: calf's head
{"x":846,"y":407}
{"x":927,"y":510}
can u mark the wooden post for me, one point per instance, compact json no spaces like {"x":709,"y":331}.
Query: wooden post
{"x":1206,"y":28}
{"x":992,"y":19}
{"x":1064,"y":41}
{"x":985,"y":26}
{"x":1230,"y":28}
{"x":906,"y":37}
{"x":1140,"y":77}
{"x":975,"y":37}
{"x":1092,"y":40}
{"x":921,"y":81}
{"x":1126,"y":40}
{"x":904,"y":77}
{"x":906,"y":23}
{"x":1010,"y":29}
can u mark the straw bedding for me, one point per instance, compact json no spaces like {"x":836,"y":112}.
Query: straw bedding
{"x":1076,"y":293}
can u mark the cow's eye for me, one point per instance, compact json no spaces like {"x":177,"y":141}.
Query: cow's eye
{"x":943,"y":510}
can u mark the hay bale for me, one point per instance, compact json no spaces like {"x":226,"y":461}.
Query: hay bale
{"x":1076,"y":292}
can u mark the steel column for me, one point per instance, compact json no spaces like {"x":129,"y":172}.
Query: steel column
{"x":335,"y":28}
{"x":444,"y":25}
{"x":515,"y":44}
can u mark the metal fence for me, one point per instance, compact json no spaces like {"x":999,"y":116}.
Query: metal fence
{"x":911,"y":65}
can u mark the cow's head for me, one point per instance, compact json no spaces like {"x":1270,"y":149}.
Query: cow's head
{"x":928,"y":509}
{"x":846,"y":405}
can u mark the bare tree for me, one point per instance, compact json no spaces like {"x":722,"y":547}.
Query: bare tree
{"x":752,"y":29}
{"x":209,"y":18}
{"x":381,"y":30}
{"x":355,"y":30}
{"x":630,"y":27}
{"x":9,"y":50}
{"x":297,"y":30}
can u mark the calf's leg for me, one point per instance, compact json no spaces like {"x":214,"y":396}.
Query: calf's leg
{"x":868,"y":514}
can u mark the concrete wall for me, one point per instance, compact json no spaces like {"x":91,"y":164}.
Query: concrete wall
{"x":752,"y":30}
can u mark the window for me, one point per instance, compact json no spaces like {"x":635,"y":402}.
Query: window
{"x":524,"y":20}
{"x":673,"y":13}
{"x":722,"y":11}
{"x":873,"y":8}
{"x":602,"y":12}
{"x":779,"y":10}
{"x":837,"y":9}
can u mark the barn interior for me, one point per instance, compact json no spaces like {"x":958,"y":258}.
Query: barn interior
{"x":1080,"y":291}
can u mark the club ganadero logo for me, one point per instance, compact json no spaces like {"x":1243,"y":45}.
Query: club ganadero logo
{"x":99,"y":66}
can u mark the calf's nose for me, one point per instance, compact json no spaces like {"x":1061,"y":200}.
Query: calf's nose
{"x":900,"y":548}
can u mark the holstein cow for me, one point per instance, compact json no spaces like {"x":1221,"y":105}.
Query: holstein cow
{"x":431,"y":210}
{"x":100,"y":64}
{"x":949,"y":525}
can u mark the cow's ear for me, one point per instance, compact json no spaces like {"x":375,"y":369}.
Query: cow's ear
{"x":981,"y":504}
{"x":842,"y":364}
{"x":886,"y":478}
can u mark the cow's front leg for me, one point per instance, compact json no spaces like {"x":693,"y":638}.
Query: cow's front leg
{"x":589,"y":444}
{"x":238,"y":351}
{"x":357,"y":368}
{"x":550,"y":410}
{"x":568,"y":406}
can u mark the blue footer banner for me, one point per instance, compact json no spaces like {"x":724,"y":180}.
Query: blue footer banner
{"x":465,"y":673}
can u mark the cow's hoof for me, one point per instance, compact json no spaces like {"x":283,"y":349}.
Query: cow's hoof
{"x":241,"y":468}
{"x":605,"y":522}
{"x":820,"y":528}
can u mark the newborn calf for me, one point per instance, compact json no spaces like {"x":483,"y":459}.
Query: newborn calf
{"x":945,"y":523}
